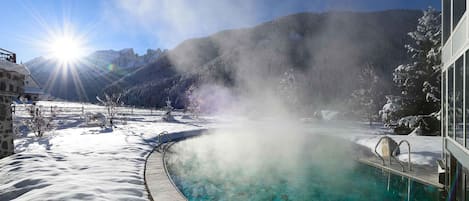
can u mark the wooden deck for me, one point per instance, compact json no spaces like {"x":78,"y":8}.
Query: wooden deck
{"x":159,"y":186}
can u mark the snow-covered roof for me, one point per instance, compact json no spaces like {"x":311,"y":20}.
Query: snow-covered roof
{"x":31,"y":85}
{"x":33,"y":90}
{"x":14,"y":67}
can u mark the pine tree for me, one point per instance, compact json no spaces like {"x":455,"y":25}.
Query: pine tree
{"x":365,"y":98}
{"x":419,"y":81}
{"x":287,"y":88}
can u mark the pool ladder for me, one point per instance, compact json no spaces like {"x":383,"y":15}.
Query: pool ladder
{"x":393,"y":153}
{"x":162,"y":138}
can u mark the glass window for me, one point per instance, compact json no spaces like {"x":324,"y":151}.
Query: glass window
{"x":459,"y":7}
{"x":443,"y":106}
{"x":450,"y":102}
{"x":467,"y":186}
{"x":459,"y":185}
{"x":446,"y":20}
{"x":458,"y":99}
{"x":448,"y":171}
{"x":466,"y":95}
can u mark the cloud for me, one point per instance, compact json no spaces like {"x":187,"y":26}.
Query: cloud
{"x":172,"y":21}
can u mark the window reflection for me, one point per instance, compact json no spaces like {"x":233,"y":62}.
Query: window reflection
{"x":450,"y":101}
{"x":446,"y":20}
{"x":443,"y":107}
{"x":459,"y":7}
{"x":458,"y":100}
{"x":467,"y":98}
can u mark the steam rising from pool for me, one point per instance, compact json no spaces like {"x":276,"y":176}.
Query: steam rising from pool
{"x":260,"y":157}
{"x":269,"y":163}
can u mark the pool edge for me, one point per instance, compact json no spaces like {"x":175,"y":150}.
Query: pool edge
{"x":158,"y":182}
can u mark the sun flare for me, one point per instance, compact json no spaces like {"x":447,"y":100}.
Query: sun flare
{"x":66,"y":49}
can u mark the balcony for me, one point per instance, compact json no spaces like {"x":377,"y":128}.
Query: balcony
{"x":7,"y":55}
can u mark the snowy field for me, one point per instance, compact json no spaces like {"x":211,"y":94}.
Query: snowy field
{"x":76,"y":162}
{"x":84,"y":163}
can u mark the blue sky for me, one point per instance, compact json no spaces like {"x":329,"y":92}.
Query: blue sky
{"x":26,"y":26}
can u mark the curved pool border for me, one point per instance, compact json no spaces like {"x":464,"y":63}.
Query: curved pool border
{"x":158,"y":183}
{"x":161,"y":187}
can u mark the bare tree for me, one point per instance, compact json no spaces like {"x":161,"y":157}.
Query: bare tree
{"x":111,"y":102}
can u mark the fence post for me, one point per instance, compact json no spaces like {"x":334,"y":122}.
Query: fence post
{"x":132,"y":110}
{"x":83,"y":111}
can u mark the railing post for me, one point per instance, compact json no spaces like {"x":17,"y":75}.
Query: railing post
{"x":376,"y":147}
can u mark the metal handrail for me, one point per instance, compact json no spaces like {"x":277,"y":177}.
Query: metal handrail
{"x":376,"y":152}
{"x":409,"y":163}
{"x":398,"y":161}
{"x":393,"y":152}
{"x":161,"y":140}
{"x":162,"y":136}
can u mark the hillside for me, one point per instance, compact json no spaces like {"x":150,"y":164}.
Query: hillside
{"x":326,"y":52}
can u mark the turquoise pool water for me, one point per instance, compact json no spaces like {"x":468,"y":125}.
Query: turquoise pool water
{"x":312,"y":171}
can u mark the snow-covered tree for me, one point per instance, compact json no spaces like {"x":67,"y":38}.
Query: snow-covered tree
{"x":419,"y":81}
{"x":288,"y":87}
{"x":38,"y":123}
{"x":365,"y":98}
{"x":169,"y":108}
{"x":390,"y":112}
{"x":111,"y":102}
{"x":193,"y":101}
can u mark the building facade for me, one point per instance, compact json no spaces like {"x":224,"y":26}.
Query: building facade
{"x":455,"y":109}
{"x":11,"y":86}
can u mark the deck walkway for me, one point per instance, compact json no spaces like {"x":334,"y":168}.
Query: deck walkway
{"x":160,"y":187}
{"x":424,"y":174}
{"x":157,"y":180}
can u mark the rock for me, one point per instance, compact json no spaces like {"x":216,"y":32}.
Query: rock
{"x":387,"y":146}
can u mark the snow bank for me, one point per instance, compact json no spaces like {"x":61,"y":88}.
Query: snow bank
{"x":425,"y":150}
{"x":83,"y":163}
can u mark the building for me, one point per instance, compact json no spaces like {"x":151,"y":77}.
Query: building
{"x":455,"y":109}
{"x":11,"y":86}
{"x":32,"y":89}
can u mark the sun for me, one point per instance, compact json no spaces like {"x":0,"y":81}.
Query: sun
{"x":66,"y":49}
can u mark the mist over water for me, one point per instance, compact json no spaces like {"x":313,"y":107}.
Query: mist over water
{"x":278,"y":163}
{"x":274,"y":160}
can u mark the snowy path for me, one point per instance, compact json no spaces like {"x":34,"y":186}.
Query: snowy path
{"x":82,"y":164}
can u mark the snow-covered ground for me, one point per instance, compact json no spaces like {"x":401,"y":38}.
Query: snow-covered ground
{"x":425,"y":150}
{"x":88,"y":163}
{"x":84,"y":163}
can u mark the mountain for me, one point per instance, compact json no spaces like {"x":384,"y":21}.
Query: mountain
{"x":84,"y":80}
{"x":325,"y":52}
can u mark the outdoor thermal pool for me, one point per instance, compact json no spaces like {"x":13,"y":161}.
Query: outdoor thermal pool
{"x":279,"y":167}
